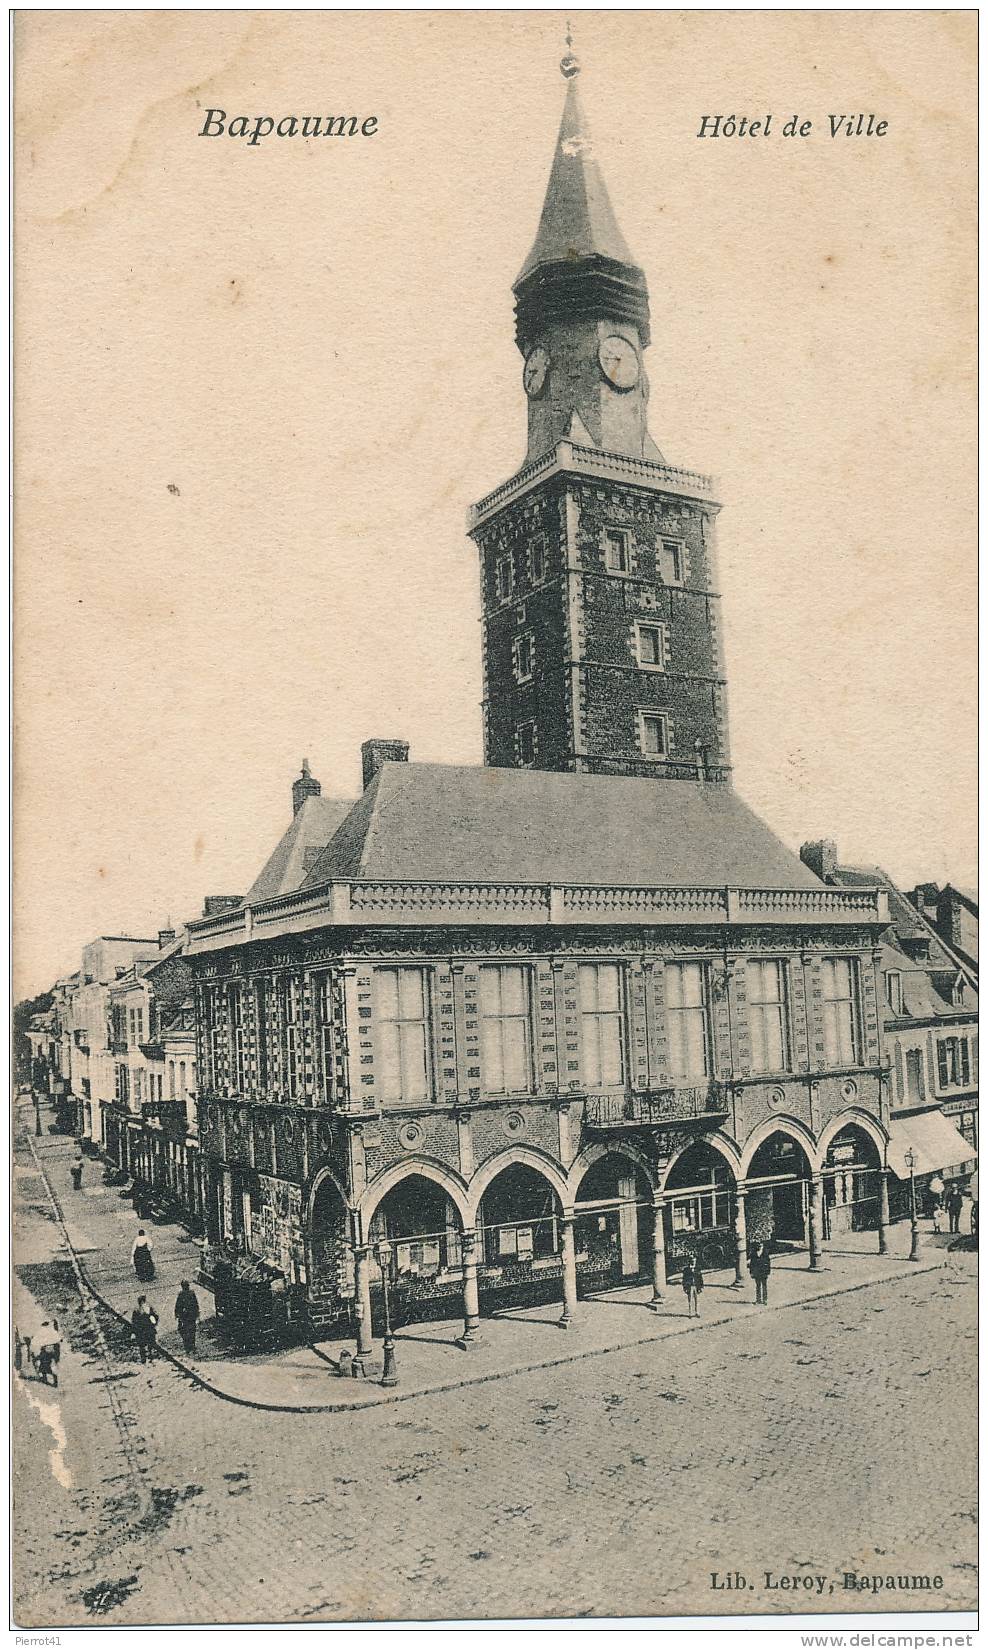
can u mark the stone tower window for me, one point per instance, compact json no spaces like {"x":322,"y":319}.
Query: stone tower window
{"x":653,"y":735}
{"x":651,"y":642}
{"x":504,"y":578}
{"x":524,"y":657}
{"x":671,"y":561}
{"x":526,"y":743}
{"x":617,"y":552}
{"x":536,"y":560}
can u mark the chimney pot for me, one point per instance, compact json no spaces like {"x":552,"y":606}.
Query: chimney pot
{"x":166,"y":936}
{"x":304,"y":787}
{"x":820,"y":857}
{"x":375,"y":752}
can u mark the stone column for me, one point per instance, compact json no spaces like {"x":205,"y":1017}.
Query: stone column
{"x":471,"y":1295}
{"x":815,"y":1192}
{"x":883,"y":1212}
{"x":365,"y":1334}
{"x":569,"y":1272}
{"x":658,"y":1255}
{"x":740,"y":1236}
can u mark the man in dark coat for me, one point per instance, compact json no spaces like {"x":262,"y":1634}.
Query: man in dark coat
{"x":144,"y":1323}
{"x":187,"y":1315}
{"x":955,"y":1203}
{"x":760,"y":1265}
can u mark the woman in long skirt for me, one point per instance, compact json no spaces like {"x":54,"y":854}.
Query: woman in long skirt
{"x":142,"y":1257}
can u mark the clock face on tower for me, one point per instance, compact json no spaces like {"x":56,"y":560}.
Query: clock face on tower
{"x":619,"y":362}
{"x":536,"y":372}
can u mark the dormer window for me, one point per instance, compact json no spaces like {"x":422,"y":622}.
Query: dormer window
{"x":958,"y":994}
{"x":893,"y":990}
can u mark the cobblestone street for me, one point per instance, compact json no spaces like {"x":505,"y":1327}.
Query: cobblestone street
{"x":831,"y":1437}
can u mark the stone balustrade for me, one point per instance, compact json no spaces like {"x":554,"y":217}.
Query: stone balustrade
{"x":422,"y":904}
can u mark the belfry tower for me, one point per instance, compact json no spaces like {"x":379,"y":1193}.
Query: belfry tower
{"x":598,"y":572}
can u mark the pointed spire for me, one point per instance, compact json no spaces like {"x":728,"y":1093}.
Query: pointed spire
{"x":578,"y":219}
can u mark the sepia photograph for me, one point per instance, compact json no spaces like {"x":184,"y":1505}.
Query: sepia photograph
{"x":495,"y":916}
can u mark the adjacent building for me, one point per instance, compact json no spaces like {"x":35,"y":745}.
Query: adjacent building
{"x":929,"y":1008}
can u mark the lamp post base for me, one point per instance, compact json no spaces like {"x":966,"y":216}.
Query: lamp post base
{"x":389,"y":1375}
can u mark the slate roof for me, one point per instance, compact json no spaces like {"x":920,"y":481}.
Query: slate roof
{"x":908,"y":923}
{"x":433,"y":823}
{"x":311,"y":828}
{"x":577,"y":218}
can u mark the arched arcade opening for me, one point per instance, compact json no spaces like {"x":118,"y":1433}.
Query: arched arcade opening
{"x":777,"y":1197}
{"x":852,"y":1176}
{"x":699,"y":1209}
{"x":614,"y":1224}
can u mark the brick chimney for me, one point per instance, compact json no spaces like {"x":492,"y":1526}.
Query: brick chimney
{"x":305,"y":786}
{"x":820,"y":857}
{"x":166,"y":936}
{"x":375,"y":752}
{"x":214,"y":904}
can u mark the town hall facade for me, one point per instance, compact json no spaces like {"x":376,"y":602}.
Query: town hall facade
{"x":527,"y":1031}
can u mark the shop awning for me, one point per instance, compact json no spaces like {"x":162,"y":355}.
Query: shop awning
{"x":935,"y":1142}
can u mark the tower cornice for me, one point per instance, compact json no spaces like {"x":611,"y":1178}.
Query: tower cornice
{"x":590,"y":463}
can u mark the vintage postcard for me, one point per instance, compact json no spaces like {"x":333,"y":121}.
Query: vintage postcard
{"x":495,"y":1123}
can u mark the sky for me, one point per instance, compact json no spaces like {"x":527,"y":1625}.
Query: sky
{"x":258,"y":387}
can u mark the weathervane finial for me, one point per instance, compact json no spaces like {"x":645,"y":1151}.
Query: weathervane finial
{"x":569,"y":65}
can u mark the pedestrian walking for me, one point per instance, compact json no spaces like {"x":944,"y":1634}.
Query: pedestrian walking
{"x":955,"y":1203}
{"x":187,"y":1315}
{"x":692,"y":1285}
{"x":142,"y":1257}
{"x":49,"y":1350}
{"x":760,"y":1265}
{"x":77,"y":1169}
{"x":144,"y":1323}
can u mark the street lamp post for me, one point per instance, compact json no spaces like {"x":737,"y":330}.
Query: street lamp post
{"x":910,"y":1161}
{"x":37,"y":1112}
{"x":389,"y":1376}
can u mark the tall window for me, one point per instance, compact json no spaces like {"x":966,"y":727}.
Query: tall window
{"x":238,"y":1037}
{"x":671,"y":561}
{"x":212,"y":1035}
{"x":291,"y":1032}
{"x":261,"y":1023}
{"x":616,"y":554}
{"x":524,"y":657}
{"x":653,"y":735}
{"x":181,"y":1078}
{"x":768,"y":1016}
{"x":651,"y":646}
{"x":504,"y":577}
{"x":840,"y":1011}
{"x":526,"y":744}
{"x":602,"y":1020}
{"x":953,"y":1062}
{"x":893,"y":990}
{"x":402,"y":1004}
{"x":688,"y":1020}
{"x":537,"y":559}
{"x":171,"y":1079}
{"x":326,"y":1032}
{"x":505,"y":1010}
